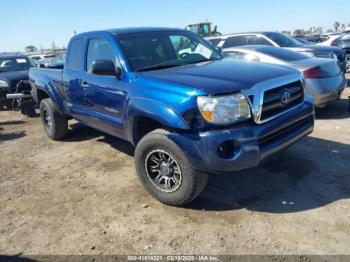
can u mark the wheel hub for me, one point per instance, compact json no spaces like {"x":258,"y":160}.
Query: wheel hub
{"x":163,"y":171}
{"x":165,"y":168}
{"x":47,"y":119}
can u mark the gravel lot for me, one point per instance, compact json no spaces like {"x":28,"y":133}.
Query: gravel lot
{"x":82,"y":196}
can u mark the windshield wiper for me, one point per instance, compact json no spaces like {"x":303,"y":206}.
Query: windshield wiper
{"x":157,"y":67}
{"x":197,"y":61}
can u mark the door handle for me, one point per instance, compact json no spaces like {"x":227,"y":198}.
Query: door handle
{"x":84,"y":84}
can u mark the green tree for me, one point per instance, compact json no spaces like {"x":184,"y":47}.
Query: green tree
{"x":343,"y":27}
{"x":30,"y":48}
{"x":298,"y":32}
{"x":336,"y":26}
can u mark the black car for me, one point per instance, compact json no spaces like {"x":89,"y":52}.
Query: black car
{"x":314,"y":38}
{"x":344,"y":42}
{"x":13,"y":68}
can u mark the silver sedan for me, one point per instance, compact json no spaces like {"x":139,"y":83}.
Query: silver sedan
{"x":324,"y":80}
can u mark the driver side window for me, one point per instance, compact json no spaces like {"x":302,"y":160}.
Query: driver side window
{"x":99,"y":49}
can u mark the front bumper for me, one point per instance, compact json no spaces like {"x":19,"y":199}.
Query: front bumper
{"x":3,"y":92}
{"x":326,"y":89}
{"x":252,"y":142}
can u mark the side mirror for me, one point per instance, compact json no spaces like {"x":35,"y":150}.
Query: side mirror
{"x":106,"y":68}
{"x":219,"y":49}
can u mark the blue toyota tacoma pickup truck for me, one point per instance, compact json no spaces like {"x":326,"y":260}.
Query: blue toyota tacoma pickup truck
{"x":188,"y":111}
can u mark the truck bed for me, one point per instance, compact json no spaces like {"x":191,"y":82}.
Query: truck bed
{"x":45,"y":78}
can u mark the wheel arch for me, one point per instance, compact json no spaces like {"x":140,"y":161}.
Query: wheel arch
{"x":146,"y":115}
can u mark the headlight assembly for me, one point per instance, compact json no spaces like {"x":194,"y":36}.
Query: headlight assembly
{"x":327,"y":55}
{"x":3,"y":83}
{"x":224,"y":110}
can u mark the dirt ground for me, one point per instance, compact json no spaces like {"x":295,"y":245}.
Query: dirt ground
{"x":82,"y":196}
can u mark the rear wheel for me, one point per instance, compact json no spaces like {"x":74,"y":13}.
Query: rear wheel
{"x":54,"y":122}
{"x":165,"y":171}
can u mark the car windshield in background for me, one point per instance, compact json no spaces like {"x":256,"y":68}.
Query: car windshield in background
{"x":283,"y":40}
{"x":283,"y":54}
{"x":344,"y":37}
{"x":215,"y":41}
{"x":14,"y":64}
{"x":158,"y":50}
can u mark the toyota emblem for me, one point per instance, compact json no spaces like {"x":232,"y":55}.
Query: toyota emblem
{"x":285,"y":98}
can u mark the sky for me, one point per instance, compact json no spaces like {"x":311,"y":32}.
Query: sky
{"x":40,"y":22}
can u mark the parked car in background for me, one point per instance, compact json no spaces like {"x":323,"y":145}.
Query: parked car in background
{"x":13,"y":68}
{"x":300,"y":37}
{"x":56,"y":62}
{"x":188,"y":113}
{"x":41,"y":57}
{"x":279,"y":40}
{"x":330,"y":40}
{"x":303,"y":41}
{"x":312,"y":39}
{"x":344,"y":42}
{"x":324,"y":80}
{"x":315,"y":38}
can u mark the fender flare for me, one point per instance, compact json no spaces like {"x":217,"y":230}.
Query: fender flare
{"x":165,"y":115}
{"x":50,"y":91}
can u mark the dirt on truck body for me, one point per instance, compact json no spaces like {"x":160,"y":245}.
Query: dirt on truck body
{"x":81,"y":196}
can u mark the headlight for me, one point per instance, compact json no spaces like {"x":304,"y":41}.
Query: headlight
{"x":327,"y":55}
{"x":308,"y":53}
{"x":3,"y":83}
{"x":224,"y":109}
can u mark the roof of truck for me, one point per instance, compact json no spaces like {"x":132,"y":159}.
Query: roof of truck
{"x":131,"y":30}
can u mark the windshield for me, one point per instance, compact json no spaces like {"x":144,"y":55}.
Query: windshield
{"x":283,"y":40}
{"x":344,"y":37}
{"x":14,"y":64}
{"x":157,"y":50}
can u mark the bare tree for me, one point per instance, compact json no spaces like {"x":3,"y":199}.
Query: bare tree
{"x":53,"y":45}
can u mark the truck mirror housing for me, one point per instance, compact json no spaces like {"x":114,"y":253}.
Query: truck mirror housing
{"x":106,"y":68}
{"x":219,"y":49}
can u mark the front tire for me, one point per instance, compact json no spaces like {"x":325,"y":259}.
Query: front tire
{"x":54,"y":122}
{"x":165,"y":171}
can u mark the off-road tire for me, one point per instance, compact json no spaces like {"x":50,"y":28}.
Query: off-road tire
{"x":59,"y":124}
{"x":193,"y":182}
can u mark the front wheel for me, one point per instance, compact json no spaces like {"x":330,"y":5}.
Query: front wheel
{"x":165,"y":171}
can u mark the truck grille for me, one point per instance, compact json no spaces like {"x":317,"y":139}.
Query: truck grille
{"x":272,"y":138}
{"x":280,"y":99}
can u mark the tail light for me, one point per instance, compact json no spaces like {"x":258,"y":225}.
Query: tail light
{"x":316,"y":72}
{"x":333,"y":43}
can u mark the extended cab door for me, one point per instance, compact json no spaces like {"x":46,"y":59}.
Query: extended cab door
{"x":106,"y":94}
{"x":76,"y":95}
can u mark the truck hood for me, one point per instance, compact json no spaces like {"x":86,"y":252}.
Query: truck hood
{"x":221,"y":76}
{"x":14,"y":76}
